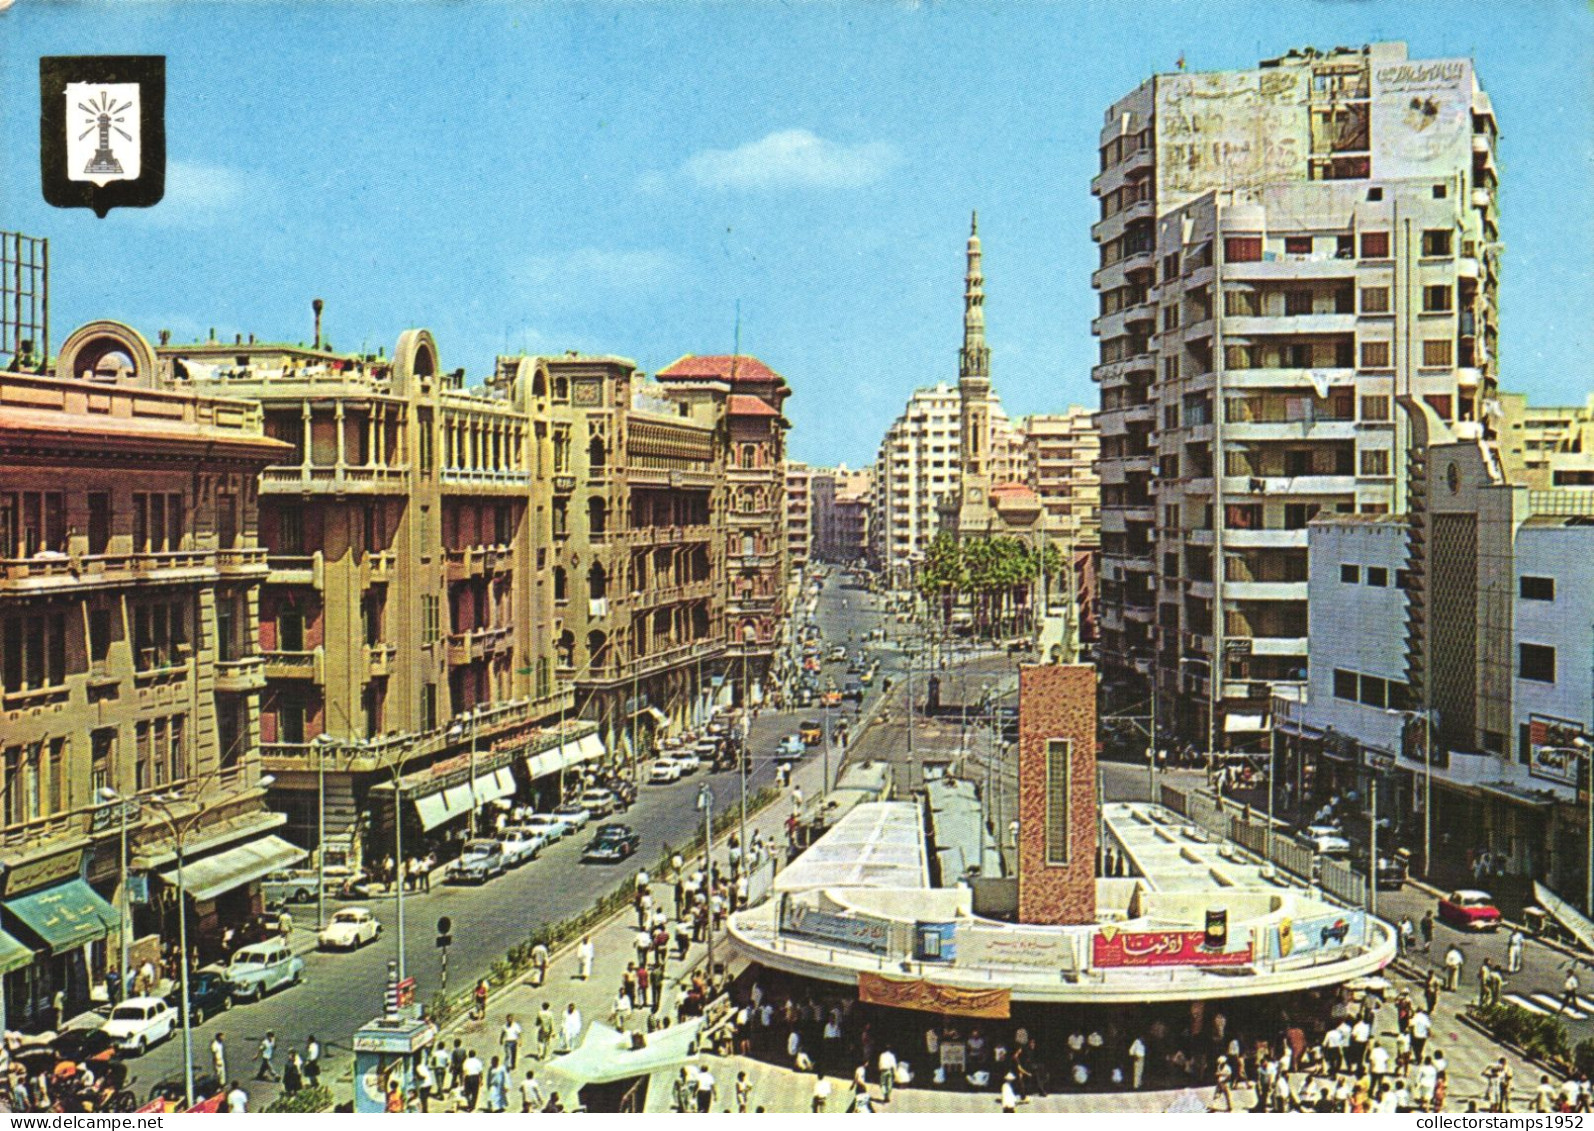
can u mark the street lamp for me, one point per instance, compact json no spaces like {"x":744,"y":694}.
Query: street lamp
{"x":321,"y":742}
{"x":705,"y":802}
{"x":108,"y":794}
{"x":1427,"y":792}
{"x":162,"y":807}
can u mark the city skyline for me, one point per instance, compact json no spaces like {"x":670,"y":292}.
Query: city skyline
{"x":637,"y":217}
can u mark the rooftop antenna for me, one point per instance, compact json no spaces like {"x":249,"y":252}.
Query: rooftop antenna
{"x":316,"y":305}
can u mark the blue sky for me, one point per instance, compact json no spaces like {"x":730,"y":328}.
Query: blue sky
{"x":617,"y":177}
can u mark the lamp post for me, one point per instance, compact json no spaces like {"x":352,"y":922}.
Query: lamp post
{"x":705,"y":802}
{"x":180,"y":830}
{"x":109,"y":794}
{"x":321,"y":742}
{"x":1427,"y":717}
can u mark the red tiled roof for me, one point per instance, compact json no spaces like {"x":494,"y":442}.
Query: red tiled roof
{"x":719,"y":367}
{"x":743,"y":405}
{"x":1012,"y":490}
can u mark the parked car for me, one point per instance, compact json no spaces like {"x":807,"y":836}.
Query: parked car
{"x":598,"y":801}
{"x":792,"y":746}
{"x":689,"y":761}
{"x":831,"y":698}
{"x":520,"y":844}
{"x":665,"y":770}
{"x":479,"y":861}
{"x":1325,"y":840}
{"x":551,"y":827}
{"x":209,"y":993}
{"x":140,"y":1022}
{"x":1469,"y":910}
{"x":813,"y":733}
{"x":624,"y":792}
{"x":612,"y":844}
{"x":289,"y":887}
{"x":255,"y":971}
{"x":349,"y":929}
{"x":853,"y":691}
{"x":573,"y":814}
{"x":866,"y":677}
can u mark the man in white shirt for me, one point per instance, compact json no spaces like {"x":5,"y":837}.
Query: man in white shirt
{"x":510,"y":1039}
{"x":585,"y":953}
{"x":1421,"y":1026}
{"x":706,"y":1090}
{"x":237,"y":1100}
{"x":570,"y":1027}
{"x":530,"y":1093}
{"x":1137,"y":1061}
{"x":888,"y":1073}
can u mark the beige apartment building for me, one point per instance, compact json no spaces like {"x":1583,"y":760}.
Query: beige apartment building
{"x":1059,"y":460}
{"x":800,"y":516}
{"x":1284,"y":252}
{"x":130,"y":674}
{"x":841,"y":503}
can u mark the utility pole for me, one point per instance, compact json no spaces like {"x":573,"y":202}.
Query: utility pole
{"x":1372,"y":846}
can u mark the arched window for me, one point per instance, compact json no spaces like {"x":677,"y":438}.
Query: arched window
{"x":597,"y":516}
{"x":597,"y":454}
{"x":749,"y":455}
{"x":597,"y":582}
{"x":561,"y":389}
{"x":539,"y":384}
{"x":560,"y":583}
{"x":566,"y":649}
{"x":749,"y":632}
{"x":597,"y":649}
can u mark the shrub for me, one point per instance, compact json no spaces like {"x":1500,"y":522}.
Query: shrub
{"x":318,"y":1098}
{"x":1583,"y":1056}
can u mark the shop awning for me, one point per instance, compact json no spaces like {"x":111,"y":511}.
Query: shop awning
{"x":499,"y":783}
{"x":221,"y":873}
{"x":65,"y":916}
{"x":433,"y":810}
{"x":1518,"y":795}
{"x":1235,"y":723}
{"x":658,"y":716}
{"x":586,"y":749}
{"x":13,"y":955}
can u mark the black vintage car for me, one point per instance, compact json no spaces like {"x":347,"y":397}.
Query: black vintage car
{"x":612,"y":844}
{"x":208,"y":995}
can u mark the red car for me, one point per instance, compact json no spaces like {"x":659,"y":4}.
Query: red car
{"x":1469,"y":911}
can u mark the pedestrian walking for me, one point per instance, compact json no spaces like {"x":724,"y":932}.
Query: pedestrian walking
{"x":268,"y":1050}
{"x":530,"y":1093}
{"x":888,"y":1074}
{"x":237,"y":1100}
{"x":293,"y":1074}
{"x":425,"y":1084}
{"x":1430,"y":990}
{"x":1137,"y":1062}
{"x":707,"y":1090}
{"x":1454,"y":961}
{"x":218,"y":1055}
{"x":1009,"y":1096}
{"x":539,"y":964}
{"x":312,"y":1061}
{"x":585,"y":954}
{"x":471,"y":1079}
{"x":1425,"y":927}
{"x":1421,"y":1027}
{"x":1568,"y":992}
{"x":570,"y":1030}
{"x":1513,"y":953}
{"x":456,"y":1065}
{"x":547,"y":1025}
{"x":479,"y":997}
{"x":509,"y":1038}
{"x":744,"y":1092}
{"x":497,"y":1086}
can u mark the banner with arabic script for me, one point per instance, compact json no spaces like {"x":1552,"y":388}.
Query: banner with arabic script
{"x":1161,"y":948}
{"x":931,"y":997}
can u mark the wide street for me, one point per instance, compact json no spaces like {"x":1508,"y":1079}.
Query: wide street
{"x":342,"y":991}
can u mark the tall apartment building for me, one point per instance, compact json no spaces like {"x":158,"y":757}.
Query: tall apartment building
{"x":917,"y":467}
{"x":129,"y":662}
{"x":1284,"y":252}
{"x":842,"y":499}
{"x":754,"y":532}
{"x":407,"y":616}
{"x":800,"y":516}
{"x":1060,"y":451}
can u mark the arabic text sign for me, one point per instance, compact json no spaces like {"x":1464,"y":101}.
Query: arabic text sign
{"x":1161,"y":948}
{"x":1553,"y":752}
{"x":855,"y":932}
{"x":1036,"y":949}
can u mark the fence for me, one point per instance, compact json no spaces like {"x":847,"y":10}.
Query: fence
{"x":1249,"y":834}
{"x":1339,"y":880}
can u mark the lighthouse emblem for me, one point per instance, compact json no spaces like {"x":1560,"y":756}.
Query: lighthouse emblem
{"x":103,"y":139}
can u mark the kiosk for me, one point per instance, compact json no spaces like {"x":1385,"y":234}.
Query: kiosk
{"x":388,"y":1048}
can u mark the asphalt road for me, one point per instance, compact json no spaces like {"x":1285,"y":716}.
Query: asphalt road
{"x":342,"y":992}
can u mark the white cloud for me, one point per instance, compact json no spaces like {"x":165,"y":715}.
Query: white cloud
{"x":198,"y":195}
{"x":584,"y":270}
{"x":792,"y":159}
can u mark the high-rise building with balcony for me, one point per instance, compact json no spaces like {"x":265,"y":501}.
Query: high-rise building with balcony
{"x":1284,"y":252}
{"x":841,"y":502}
{"x":917,"y":467}
{"x":799,"y":503}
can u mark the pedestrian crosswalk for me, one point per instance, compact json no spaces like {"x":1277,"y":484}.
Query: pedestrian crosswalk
{"x":1549,"y":1004}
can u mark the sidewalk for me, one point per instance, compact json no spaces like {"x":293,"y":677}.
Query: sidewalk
{"x":612,"y":942}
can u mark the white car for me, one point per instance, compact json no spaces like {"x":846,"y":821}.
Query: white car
{"x":598,"y":802}
{"x":665,"y":770}
{"x":574,"y":814}
{"x":1325,"y":840}
{"x":552,"y":828}
{"x":689,"y":761}
{"x":140,"y":1022}
{"x":350,"y":929}
{"x":520,"y":844}
{"x":791,"y":747}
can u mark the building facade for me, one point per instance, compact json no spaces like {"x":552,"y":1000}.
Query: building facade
{"x":800,"y":517}
{"x":130,"y":671}
{"x":1261,"y":309}
{"x":841,"y":502}
{"x":917,"y":467}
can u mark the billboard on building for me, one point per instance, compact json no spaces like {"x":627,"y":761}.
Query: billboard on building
{"x":1422,"y":118}
{"x":1113,"y":948}
{"x":1230,"y":129}
{"x":1041,"y":949}
{"x":1295,"y":937}
{"x":1553,"y":753}
{"x":855,"y":932}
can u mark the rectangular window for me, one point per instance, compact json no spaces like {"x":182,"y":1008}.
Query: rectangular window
{"x":1375,"y":462}
{"x":1350,"y":574}
{"x":1058,"y":767}
{"x":1403,"y":579}
{"x":1297,"y":515}
{"x":99,"y":522}
{"x":1436,"y":299}
{"x":290,"y":530}
{"x":1375,"y":355}
{"x":1378,"y":577}
{"x":1436,"y":353}
{"x":1297,"y":302}
{"x":1436,"y":243}
{"x":1242,"y":303}
{"x":1375,"y":408}
{"x":423,"y":426}
{"x":1242,"y":249}
{"x":1536,"y":662}
{"x":1375,"y":300}
{"x":1344,"y":685}
{"x":1537,"y":588}
{"x":1297,"y":245}
{"x":1375,"y":245}
{"x":431,"y":619}
{"x":1374,"y":692}
{"x":429,"y":707}
{"x":100,"y":637}
{"x":143,"y":768}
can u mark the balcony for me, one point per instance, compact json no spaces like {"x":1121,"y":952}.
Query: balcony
{"x":379,"y":660}
{"x":378,"y":567}
{"x":1265,"y":590}
{"x":296,"y":569}
{"x":1316,"y":379}
{"x":246,"y":674}
{"x":250,"y":562}
{"x":678,"y":479}
{"x":476,"y":644}
{"x":638,"y":668}
{"x":1292,"y":267}
{"x":339,"y":479}
{"x":1289,"y":430}
{"x":307,"y":665}
{"x":1264,"y":539}
{"x":464,"y":564}
{"x":485,"y":482}
{"x":670,"y":594}
{"x":1289,"y":484}
{"x":1244,"y":326}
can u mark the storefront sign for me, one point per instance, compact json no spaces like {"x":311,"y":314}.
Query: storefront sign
{"x":934,"y":942}
{"x":1113,"y":948}
{"x":856,"y":932}
{"x":1295,"y":937}
{"x":1553,"y":753}
{"x":930,"y":997}
{"x":1029,"y":950}
{"x":108,"y":817}
{"x":42,"y":873}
